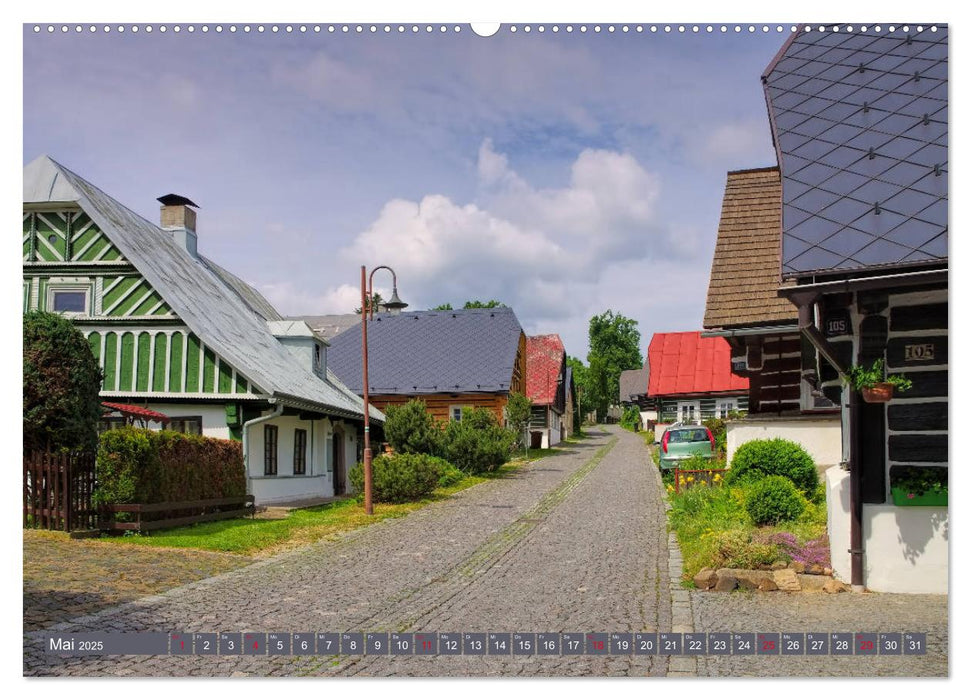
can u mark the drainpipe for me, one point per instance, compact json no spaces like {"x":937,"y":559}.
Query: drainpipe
{"x":807,"y":326}
{"x":277,"y":412}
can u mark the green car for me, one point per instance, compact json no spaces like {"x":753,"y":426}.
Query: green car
{"x":683,"y":441}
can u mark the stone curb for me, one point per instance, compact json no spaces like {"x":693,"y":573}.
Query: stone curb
{"x":682,"y":616}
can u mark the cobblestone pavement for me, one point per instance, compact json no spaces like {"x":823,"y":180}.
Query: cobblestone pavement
{"x":574,"y":543}
{"x":65,"y":578}
{"x":744,"y":611}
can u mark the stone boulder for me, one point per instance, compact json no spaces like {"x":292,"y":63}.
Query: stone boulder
{"x":748,"y":579}
{"x":811,"y":584}
{"x":834,"y":586}
{"x":768,"y":584}
{"x":726,"y":584}
{"x":786,"y":580}
{"x":705,"y":579}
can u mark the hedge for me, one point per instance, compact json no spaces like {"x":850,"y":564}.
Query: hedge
{"x":400,"y":477}
{"x":136,"y":465}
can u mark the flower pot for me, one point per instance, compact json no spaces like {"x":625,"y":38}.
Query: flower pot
{"x":929,"y":498}
{"x":878,"y":393}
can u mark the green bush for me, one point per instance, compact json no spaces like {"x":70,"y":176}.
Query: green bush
{"x":631,"y":418}
{"x":777,"y":457}
{"x":62,"y":381}
{"x":448,"y":474}
{"x":772,"y":500}
{"x":518,"y":409}
{"x":477,"y":443}
{"x":399,"y":477}
{"x":136,"y":465}
{"x":410,"y":429}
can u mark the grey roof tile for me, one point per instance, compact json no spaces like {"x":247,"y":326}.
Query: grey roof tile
{"x":427,"y":352}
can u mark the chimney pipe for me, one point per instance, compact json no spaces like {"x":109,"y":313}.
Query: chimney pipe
{"x":179,"y":218}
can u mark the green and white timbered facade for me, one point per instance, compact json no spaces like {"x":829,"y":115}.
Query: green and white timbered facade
{"x":174,"y":332}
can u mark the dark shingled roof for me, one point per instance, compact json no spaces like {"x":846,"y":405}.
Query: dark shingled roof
{"x":745,"y":271}
{"x":430,"y":352}
{"x":633,"y":383}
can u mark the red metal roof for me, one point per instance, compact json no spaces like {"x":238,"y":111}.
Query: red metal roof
{"x":544,"y":357}
{"x":686,"y":363}
{"x":140,"y":412}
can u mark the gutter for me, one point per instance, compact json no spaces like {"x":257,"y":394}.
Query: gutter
{"x":746,"y":332}
{"x":277,"y":412}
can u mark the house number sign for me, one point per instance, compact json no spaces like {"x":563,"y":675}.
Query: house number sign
{"x":918,"y":352}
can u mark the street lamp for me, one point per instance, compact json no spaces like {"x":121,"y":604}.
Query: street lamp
{"x":394,"y":305}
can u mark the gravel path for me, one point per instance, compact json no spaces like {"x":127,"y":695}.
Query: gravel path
{"x":574,"y":543}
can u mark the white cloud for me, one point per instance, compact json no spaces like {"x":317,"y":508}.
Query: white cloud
{"x":541,"y":251}
{"x":291,"y":300}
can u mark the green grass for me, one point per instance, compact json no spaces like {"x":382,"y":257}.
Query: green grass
{"x":302,"y":526}
{"x":714,"y":530}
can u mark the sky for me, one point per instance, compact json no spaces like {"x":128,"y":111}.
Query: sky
{"x":563,"y":174}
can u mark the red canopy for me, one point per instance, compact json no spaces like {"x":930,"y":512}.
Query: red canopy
{"x":132,"y":412}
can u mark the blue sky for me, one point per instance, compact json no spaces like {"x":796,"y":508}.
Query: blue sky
{"x":563,"y":173}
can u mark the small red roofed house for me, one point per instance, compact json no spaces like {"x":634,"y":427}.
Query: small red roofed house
{"x":546,"y":388}
{"x":691,"y":378}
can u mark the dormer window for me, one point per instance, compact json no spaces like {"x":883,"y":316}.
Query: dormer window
{"x":317,"y":356}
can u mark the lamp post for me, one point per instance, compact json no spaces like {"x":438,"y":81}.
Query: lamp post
{"x":394,"y":305}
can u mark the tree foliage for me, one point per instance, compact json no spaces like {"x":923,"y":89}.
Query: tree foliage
{"x":375,"y":300}
{"x":409,"y":428}
{"x":614,"y":347}
{"x":473,"y":304}
{"x":518,"y":409}
{"x":581,"y":384}
{"x":477,"y":443}
{"x":62,"y":381}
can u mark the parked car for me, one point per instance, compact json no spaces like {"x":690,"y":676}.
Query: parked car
{"x":682,"y":441}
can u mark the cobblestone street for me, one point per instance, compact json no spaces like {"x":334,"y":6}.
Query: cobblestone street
{"x":576,"y":542}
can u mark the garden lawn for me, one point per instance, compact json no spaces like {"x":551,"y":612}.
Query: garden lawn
{"x":714,"y":530}
{"x":302,"y":526}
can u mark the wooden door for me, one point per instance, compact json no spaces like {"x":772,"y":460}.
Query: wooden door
{"x":340,"y":472}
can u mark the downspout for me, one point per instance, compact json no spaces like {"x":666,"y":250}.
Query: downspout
{"x":807,"y":326}
{"x":277,"y":412}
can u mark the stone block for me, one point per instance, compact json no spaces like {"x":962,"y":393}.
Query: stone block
{"x":705,"y":579}
{"x":786,"y":580}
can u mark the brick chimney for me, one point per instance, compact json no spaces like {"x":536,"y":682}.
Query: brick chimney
{"x":179,"y":218}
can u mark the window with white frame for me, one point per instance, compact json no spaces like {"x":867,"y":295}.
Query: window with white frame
{"x":689,"y":411}
{"x":725,"y":406}
{"x":455,"y":412}
{"x":71,"y":297}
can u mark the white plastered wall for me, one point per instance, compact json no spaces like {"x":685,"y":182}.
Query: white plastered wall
{"x":820,"y":437}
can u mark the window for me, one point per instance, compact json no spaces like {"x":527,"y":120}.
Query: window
{"x":191,"y":425}
{"x":70,"y":301}
{"x":111,"y":423}
{"x":455,"y":412}
{"x":688,"y":411}
{"x":300,"y":451}
{"x":317,"y":356}
{"x":725,"y":407}
{"x":269,"y":450}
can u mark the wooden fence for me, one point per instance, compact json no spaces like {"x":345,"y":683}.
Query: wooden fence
{"x":684,"y":478}
{"x":57,"y":491}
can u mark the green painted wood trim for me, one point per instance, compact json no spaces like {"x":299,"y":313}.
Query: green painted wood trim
{"x":144,"y":361}
{"x":208,"y":370}
{"x":126,"y":307}
{"x":110,"y":382}
{"x":125,"y":381}
{"x":31,"y":242}
{"x":192,"y":364}
{"x":94,"y":341}
{"x":147,"y":305}
{"x":45,"y":230}
{"x":158,"y":367}
{"x":118,"y":291}
{"x":225,"y":377}
{"x":175,"y":363}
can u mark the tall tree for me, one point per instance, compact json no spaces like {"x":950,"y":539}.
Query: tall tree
{"x":62,"y":381}
{"x":581,"y":382}
{"x":375,"y":300}
{"x":614,"y":347}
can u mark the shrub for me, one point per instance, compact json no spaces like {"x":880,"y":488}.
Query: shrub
{"x":631,"y":418}
{"x":410,"y":429}
{"x":772,"y":500}
{"x":448,"y":474}
{"x":136,"y":465}
{"x":737,"y":549}
{"x":400,"y":477}
{"x":61,"y":384}
{"x":477,"y":443}
{"x":518,"y":410}
{"x":777,"y":457}
{"x":815,"y":551}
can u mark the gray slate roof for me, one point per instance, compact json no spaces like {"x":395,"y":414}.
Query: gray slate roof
{"x":429,"y":352}
{"x":212,"y":308}
{"x":329,"y":326}
{"x":633,"y":383}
